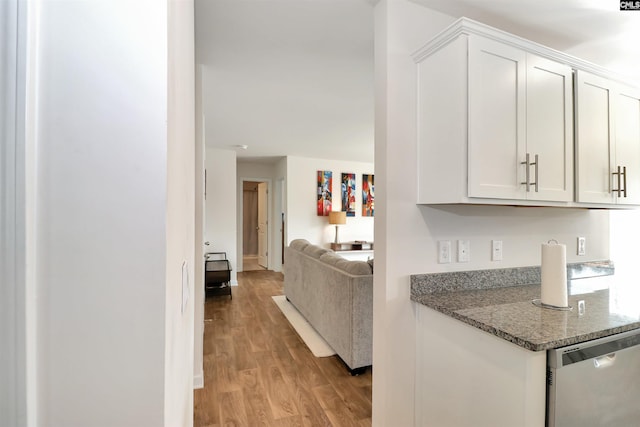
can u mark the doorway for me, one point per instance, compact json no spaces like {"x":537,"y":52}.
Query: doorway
{"x":255,"y":222}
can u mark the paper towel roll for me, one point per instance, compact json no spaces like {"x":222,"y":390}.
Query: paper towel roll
{"x":553,"y":274}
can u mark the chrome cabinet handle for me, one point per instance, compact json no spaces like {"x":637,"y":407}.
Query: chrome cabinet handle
{"x":528,"y":164}
{"x":536,"y":173}
{"x":620,"y":174}
{"x":527,"y":173}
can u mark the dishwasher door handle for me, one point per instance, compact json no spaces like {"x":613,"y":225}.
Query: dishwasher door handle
{"x":604,"y":361}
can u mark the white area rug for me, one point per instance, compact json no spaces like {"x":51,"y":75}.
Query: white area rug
{"x":311,"y":338}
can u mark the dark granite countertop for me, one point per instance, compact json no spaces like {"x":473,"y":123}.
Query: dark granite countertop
{"x":612,"y":305}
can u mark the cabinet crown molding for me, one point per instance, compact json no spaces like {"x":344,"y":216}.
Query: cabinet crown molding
{"x":466,"y":26}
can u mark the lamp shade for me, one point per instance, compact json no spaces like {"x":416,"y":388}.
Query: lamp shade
{"x":337,"y":217}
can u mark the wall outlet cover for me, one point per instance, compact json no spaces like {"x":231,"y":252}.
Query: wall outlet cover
{"x":582,"y":246}
{"x":444,"y":251}
{"x":464,"y":249}
{"x":496,"y":250}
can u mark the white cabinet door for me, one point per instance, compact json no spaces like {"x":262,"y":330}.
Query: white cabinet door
{"x":627,"y":134}
{"x":508,"y":382}
{"x":608,"y":141}
{"x":549,"y":130}
{"x":520,"y":124}
{"x":496,"y":119}
{"x":595,"y":141}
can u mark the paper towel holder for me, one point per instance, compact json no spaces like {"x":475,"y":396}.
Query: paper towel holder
{"x":538,"y":303}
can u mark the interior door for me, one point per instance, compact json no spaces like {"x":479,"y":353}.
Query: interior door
{"x":263,"y":253}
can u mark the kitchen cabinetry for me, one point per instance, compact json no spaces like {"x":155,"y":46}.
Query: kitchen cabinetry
{"x":487,"y":356}
{"x":550,"y":128}
{"x":466,"y":377}
{"x":494,"y":123}
{"x":496,"y":101}
{"x":520,"y":135}
{"x":607,"y":141}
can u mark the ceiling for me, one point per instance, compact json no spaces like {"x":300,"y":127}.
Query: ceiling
{"x":295,"y":77}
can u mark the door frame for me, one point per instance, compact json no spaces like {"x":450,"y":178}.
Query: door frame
{"x":240,"y":238}
{"x":263,"y":214}
{"x":17,"y":217}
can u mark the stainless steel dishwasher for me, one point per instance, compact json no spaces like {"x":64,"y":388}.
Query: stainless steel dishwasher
{"x":595,"y":383}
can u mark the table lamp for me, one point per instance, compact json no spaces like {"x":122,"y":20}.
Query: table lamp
{"x":337,"y":218}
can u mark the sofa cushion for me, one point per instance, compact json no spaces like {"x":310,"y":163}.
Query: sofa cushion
{"x":315,"y":251}
{"x":358,"y":268}
{"x":331,"y":258}
{"x":299,"y":244}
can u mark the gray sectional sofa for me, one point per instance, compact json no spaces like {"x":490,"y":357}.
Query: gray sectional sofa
{"x":335,"y":296}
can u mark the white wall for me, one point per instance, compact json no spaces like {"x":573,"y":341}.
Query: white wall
{"x":221,"y":205}
{"x":107,"y":317}
{"x":407,"y":234}
{"x":181,"y":204}
{"x":625,"y":235}
{"x":302,"y":221}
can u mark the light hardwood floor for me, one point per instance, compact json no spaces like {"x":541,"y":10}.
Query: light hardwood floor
{"x":258,"y":372}
{"x":250,"y":263}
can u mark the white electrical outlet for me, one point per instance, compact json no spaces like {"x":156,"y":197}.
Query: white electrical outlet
{"x":464,"y":248}
{"x":496,"y":250}
{"x":582,"y":245}
{"x":444,"y":251}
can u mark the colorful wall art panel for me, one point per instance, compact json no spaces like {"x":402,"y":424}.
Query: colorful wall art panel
{"x":325,"y":184}
{"x":367,"y":195}
{"x":348,"y":188}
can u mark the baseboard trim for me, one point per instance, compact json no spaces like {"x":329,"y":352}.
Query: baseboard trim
{"x":198,"y":381}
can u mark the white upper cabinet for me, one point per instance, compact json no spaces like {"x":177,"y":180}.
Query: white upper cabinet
{"x":494,"y":123}
{"x":550,"y":128}
{"x":627,"y":125}
{"x":496,"y":100}
{"x":607,"y":141}
{"x":520,"y":133}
